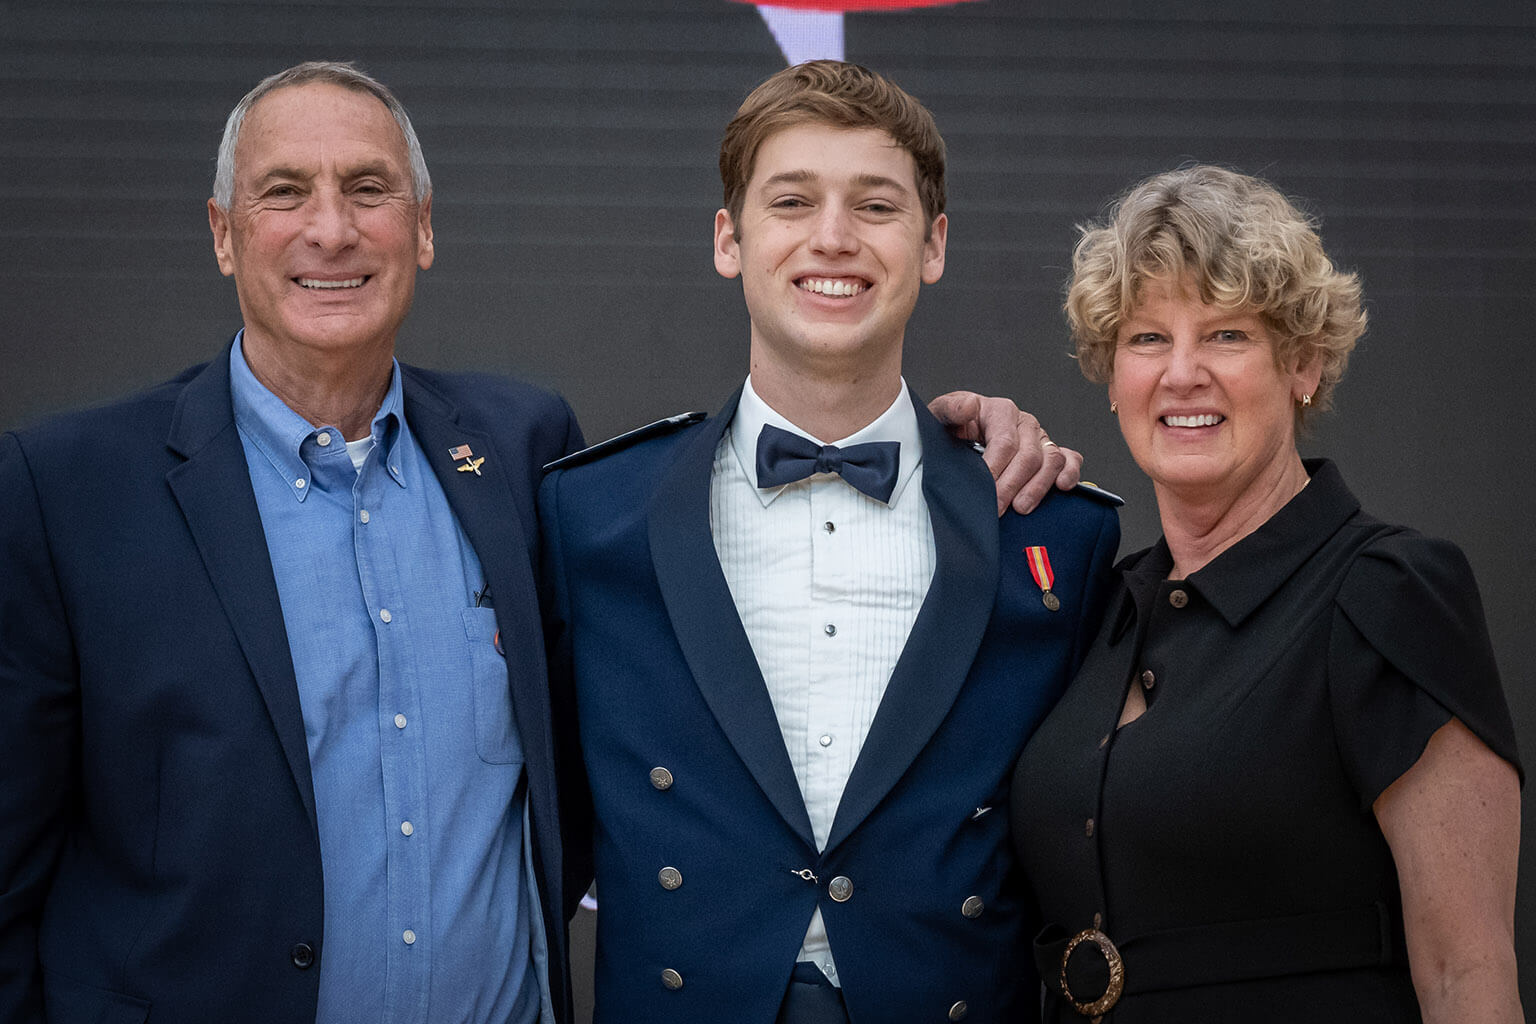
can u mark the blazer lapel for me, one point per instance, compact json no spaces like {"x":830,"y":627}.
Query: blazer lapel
{"x":484,"y":506}
{"x":706,"y":625}
{"x":947,"y":633}
{"x":213,"y":488}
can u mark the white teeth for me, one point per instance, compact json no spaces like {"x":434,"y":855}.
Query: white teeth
{"x":311,"y":282}
{"x":835,"y":288}
{"x":1205,"y":420}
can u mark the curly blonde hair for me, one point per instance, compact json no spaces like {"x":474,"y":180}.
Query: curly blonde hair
{"x":1240,"y":244}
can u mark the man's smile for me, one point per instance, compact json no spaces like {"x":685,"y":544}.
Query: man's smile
{"x":317,"y":282}
{"x":837,"y":287}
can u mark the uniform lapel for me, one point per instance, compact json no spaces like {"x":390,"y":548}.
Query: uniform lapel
{"x":213,"y":488}
{"x":947,"y":633}
{"x":707,"y":627}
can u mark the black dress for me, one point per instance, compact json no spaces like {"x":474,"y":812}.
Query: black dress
{"x":1224,"y":840}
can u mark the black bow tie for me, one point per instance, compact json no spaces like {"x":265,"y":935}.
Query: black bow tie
{"x":783,"y":458}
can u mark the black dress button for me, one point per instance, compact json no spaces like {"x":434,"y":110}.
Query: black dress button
{"x":302,"y":954}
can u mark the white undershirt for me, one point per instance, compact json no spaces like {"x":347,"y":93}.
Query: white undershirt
{"x":793,"y":579}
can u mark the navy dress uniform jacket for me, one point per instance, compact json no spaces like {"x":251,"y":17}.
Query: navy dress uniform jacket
{"x":646,"y":634}
{"x":158,"y":849}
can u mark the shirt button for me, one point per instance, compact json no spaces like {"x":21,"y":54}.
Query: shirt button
{"x":829,"y":526}
{"x":1178,"y":598}
{"x":409,"y":937}
{"x":363,"y":515}
{"x":1148,"y":680}
{"x":830,"y":630}
{"x":386,"y":616}
{"x":323,"y":439}
{"x":406,"y":828}
{"x":299,"y":482}
{"x":399,"y":721}
{"x":826,"y":739}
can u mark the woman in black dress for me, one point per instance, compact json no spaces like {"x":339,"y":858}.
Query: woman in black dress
{"x":1283,"y":786}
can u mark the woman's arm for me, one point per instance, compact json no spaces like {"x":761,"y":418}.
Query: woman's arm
{"x":1453,"y":823}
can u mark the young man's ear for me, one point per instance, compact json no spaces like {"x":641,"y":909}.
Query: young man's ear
{"x":727,"y":248}
{"x":933,"y":249}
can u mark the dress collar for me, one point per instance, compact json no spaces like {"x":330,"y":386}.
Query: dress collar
{"x":1242,"y":577}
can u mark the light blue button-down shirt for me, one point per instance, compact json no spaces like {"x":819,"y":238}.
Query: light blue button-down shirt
{"x":416,"y":763}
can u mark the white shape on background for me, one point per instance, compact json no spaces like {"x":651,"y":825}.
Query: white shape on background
{"x":805,"y":35}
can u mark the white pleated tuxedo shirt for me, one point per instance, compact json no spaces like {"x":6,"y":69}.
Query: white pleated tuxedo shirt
{"x":828,"y":582}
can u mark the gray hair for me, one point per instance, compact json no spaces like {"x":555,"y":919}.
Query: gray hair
{"x":346,"y":75}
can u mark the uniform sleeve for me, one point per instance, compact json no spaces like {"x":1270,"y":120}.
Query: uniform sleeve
{"x":1409,"y":650}
{"x":39,"y":728}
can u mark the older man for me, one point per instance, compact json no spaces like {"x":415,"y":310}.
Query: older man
{"x":279,"y":740}
{"x":279,"y":745}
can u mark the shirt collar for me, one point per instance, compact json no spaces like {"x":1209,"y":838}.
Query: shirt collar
{"x":897,"y":423}
{"x":1245,"y":575}
{"x":288,"y":439}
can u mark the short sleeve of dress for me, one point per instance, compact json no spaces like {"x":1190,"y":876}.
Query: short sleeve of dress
{"x":1409,"y":649}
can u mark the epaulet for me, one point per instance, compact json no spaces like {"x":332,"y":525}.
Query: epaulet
{"x":625,"y":440}
{"x":1095,"y":491}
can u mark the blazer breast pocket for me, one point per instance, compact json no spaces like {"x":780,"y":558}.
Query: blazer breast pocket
{"x":495,"y":733}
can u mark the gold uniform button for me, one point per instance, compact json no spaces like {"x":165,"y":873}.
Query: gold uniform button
{"x":661,"y":778}
{"x":670,"y":878}
{"x":1178,"y":598}
{"x":973,"y":906}
{"x":671,"y":979}
{"x":958,"y":1011}
{"x":840,"y":888}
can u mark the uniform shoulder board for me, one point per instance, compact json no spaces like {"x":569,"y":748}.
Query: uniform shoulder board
{"x":1095,"y":491}
{"x":626,"y":439}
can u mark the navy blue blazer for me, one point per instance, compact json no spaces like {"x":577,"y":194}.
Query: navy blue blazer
{"x":158,"y":849}
{"x":687,"y":767}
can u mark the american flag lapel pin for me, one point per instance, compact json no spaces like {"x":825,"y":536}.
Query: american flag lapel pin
{"x":470,"y":463}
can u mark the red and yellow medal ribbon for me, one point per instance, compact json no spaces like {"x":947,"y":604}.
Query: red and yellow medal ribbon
{"x":1040,"y":568}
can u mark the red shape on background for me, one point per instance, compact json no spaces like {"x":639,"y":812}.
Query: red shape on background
{"x":848,"y":6}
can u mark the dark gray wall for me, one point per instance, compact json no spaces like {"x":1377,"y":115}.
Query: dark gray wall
{"x":573,"y":149}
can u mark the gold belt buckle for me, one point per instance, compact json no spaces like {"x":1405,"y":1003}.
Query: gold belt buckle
{"x":1111,"y":996}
